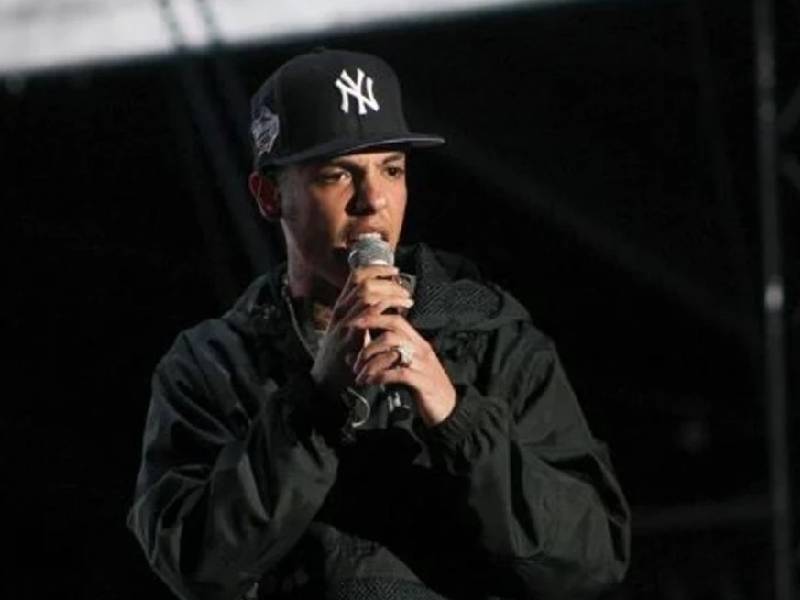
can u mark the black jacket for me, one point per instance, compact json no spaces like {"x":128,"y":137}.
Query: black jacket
{"x":245,"y":490}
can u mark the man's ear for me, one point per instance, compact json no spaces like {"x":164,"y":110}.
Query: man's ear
{"x":267,"y":194}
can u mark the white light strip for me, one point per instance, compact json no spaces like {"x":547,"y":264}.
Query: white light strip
{"x":246,"y":20}
{"x":41,"y":34}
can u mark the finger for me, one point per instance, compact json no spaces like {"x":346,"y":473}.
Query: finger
{"x":377,"y":277}
{"x":362,"y":274}
{"x":383,"y":370}
{"x":355,"y":339}
{"x":392,"y":302}
{"x":386,"y":342}
{"x":372,"y":368}
{"x":371,"y":293}
{"x":344,"y":303}
{"x":355,"y":279}
{"x":388,"y":322}
{"x":359,"y":310}
{"x":372,"y":290}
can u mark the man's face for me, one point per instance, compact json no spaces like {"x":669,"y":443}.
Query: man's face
{"x":326,"y":205}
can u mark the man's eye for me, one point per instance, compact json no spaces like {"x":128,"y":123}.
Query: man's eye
{"x":395,"y":171}
{"x":331,"y":177}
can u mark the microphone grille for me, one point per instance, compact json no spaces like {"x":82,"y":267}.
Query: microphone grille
{"x":370,"y":249}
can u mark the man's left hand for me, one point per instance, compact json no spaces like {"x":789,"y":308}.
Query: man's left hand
{"x":380,"y":363}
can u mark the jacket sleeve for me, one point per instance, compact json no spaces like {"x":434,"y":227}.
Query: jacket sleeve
{"x":233,"y":470}
{"x":545,"y":508}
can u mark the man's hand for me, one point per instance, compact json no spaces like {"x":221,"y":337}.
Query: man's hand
{"x":380,"y":363}
{"x":368,"y":291}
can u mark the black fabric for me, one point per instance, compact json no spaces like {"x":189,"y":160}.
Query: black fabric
{"x":242,"y":486}
{"x":383,"y":589}
{"x":300,"y":112}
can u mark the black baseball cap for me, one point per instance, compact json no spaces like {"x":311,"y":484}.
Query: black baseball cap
{"x":327,"y":103}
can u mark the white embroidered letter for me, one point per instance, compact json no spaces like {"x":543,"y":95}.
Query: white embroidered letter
{"x":348,"y":88}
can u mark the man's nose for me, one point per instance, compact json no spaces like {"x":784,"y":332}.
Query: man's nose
{"x":371,"y":194}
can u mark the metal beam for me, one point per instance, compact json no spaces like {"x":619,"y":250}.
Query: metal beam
{"x":230,"y":173}
{"x":775,"y":375}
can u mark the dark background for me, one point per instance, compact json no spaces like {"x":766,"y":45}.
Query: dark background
{"x":601,"y":166}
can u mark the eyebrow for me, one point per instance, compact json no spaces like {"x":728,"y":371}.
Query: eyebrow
{"x":393,"y":157}
{"x":343,"y":161}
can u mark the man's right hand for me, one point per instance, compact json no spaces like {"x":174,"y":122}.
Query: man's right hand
{"x":368,"y":290}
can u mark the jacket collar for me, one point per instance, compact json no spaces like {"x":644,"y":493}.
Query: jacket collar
{"x":449,"y":293}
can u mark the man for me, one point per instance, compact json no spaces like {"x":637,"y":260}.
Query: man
{"x":338,"y":434}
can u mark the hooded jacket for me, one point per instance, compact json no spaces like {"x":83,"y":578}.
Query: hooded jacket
{"x":246,"y":490}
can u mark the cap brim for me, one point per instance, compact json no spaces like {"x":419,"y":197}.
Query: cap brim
{"x":339,"y":147}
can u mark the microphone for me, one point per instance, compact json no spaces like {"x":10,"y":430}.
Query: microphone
{"x":370,"y":249}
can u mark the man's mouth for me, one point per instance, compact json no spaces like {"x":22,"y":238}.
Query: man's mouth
{"x":356,"y":234}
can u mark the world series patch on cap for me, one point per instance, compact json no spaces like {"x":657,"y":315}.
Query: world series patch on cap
{"x":327,"y":103}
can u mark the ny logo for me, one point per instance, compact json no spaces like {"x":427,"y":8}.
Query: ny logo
{"x":348,"y":88}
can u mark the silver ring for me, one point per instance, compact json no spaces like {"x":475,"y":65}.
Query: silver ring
{"x":406,"y":355}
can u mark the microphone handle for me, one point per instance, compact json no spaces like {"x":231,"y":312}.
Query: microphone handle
{"x":399,"y":404}
{"x":400,"y":407}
